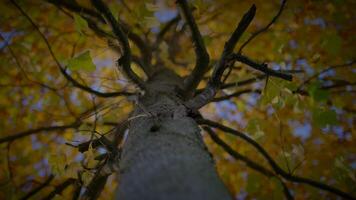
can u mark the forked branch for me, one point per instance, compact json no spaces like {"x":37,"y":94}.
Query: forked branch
{"x":202,"y":56}
{"x":214,"y":84}
{"x":274,"y":19}
{"x":125,"y":60}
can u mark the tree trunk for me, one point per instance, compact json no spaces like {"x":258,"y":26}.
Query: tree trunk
{"x":164,"y":156}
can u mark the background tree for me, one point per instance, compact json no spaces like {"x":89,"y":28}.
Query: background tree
{"x":270,"y":84}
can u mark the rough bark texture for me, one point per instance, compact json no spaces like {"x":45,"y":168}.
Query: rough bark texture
{"x":164,"y":156}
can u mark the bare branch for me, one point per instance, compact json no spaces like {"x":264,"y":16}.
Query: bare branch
{"x":231,"y":43}
{"x":90,"y":90}
{"x":202,"y":56}
{"x":255,"y":79}
{"x":39,"y":188}
{"x":125,"y":60}
{"x":276,"y":168}
{"x":36,"y":131}
{"x":63,"y":71}
{"x":60,"y":188}
{"x":72,"y":5}
{"x":274,"y":19}
{"x":250,"y":163}
{"x":348,"y":64}
{"x":165,"y":29}
{"x":96,"y":186}
{"x":214,"y":84}
{"x":261,"y":67}
{"x":236,"y":94}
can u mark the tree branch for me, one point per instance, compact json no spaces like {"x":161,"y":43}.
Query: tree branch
{"x":60,"y":188}
{"x":214,"y":84}
{"x":348,"y":64}
{"x":274,"y":19}
{"x":39,"y":188}
{"x":125,"y":60}
{"x":276,"y":168}
{"x":73,"y":6}
{"x":231,"y":43}
{"x":255,"y":79}
{"x":250,"y":163}
{"x":236,"y":94}
{"x":260,"y":67}
{"x":95,"y":186}
{"x":16,"y":136}
{"x":202,"y":56}
{"x":165,"y":29}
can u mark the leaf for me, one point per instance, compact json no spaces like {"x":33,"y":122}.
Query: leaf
{"x":273,"y":89}
{"x":81,"y":62}
{"x":253,"y":183}
{"x":298,"y":152}
{"x":152,"y":7}
{"x":90,"y":157}
{"x":277,"y":189}
{"x":207,"y":40}
{"x":71,"y":170}
{"x":323,"y":118}
{"x":57,"y":163}
{"x":316,"y":93}
{"x":332,"y":43}
{"x":151,"y":22}
{"x":80,"y":23}
{"x":254,"y":130}
{"x":86,"y":177}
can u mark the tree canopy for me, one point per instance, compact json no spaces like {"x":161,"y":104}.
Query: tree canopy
{"x":280,"y":123}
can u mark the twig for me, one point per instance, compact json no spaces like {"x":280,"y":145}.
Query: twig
{"x":235,"y":94}
{"x":261,"y":67}
{"x":60,"y":188}
{"x":274,"y":19}
{"x":36,"y":131}
{"x":348,"y":64}
{"x":39,"y":188}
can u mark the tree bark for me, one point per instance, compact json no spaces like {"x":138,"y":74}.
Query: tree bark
{"x":164,"y":156}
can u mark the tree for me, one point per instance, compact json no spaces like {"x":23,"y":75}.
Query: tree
{"x":221,"y":100}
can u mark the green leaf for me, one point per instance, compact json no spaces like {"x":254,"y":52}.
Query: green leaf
{"x":253,"y":183}
{"x":277,"y":189}
{"x":80,"y":23}
{"x":86,"y":177}
{"x":332,"y":43}
{"x":152,"y":7}
{"x":324,"y":117}
{"x":254,"y":130}
{"x":57,"y":163}
{"x":274,"y":88}
{"x":316,"y":93}
{"x":81,"y":62}
{"x":151,"y":22}
{"x":207,"y":40}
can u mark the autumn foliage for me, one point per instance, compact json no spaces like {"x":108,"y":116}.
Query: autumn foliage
{"x":281,"y":125}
